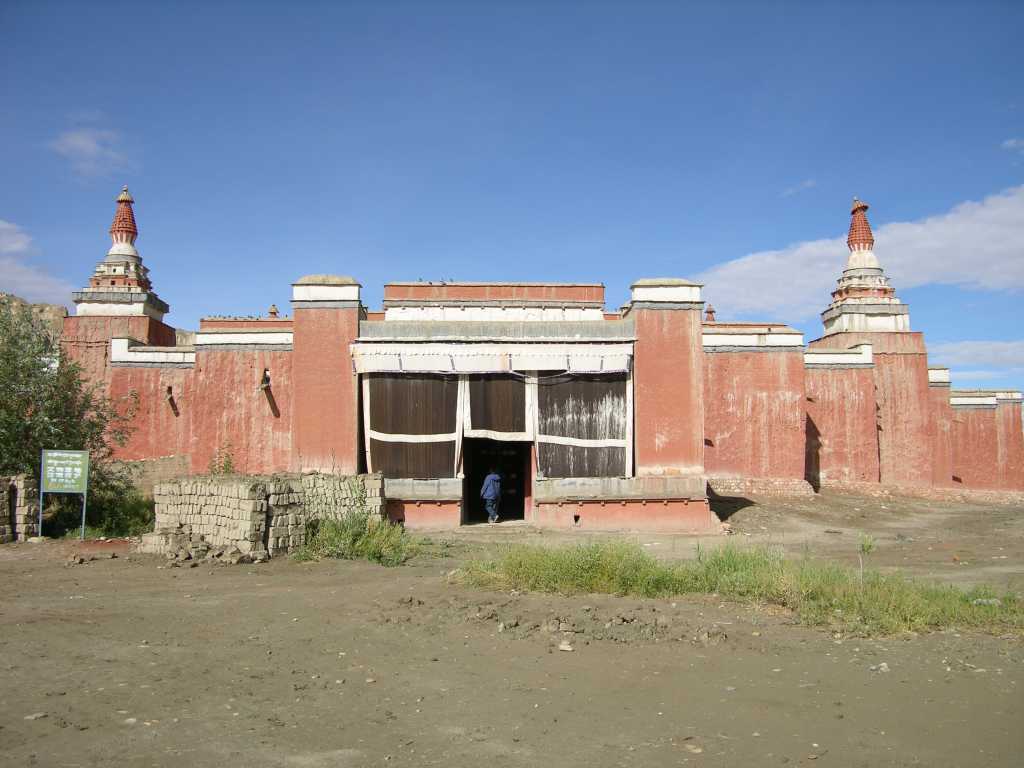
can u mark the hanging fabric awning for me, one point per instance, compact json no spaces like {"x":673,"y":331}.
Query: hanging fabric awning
{"x":383,"y":357}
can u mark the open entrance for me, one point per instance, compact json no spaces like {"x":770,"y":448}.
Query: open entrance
{"x":12,"y":510}
{"x":512,"y":462}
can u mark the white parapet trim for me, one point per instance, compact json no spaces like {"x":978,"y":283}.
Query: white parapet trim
{"x":860,"y":356}
{"x":1009,"y":396}
{"x":326,"y":288}
{"x":243,"y":339}
{"x":118,"y":309}
{"x":388,"y":357}
{"x":493,"y":314}
{"x":756,"y":337}
{"x":938,"y":376}
{"x":666,"y":290}
{"x":325,"y":293}
{"x":125,"y":352}
{"x":972,"y":399}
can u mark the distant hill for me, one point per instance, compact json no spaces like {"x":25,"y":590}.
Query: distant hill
{"x":51,"y":314}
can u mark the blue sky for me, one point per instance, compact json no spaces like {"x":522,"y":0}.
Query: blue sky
{"x":554,"y":141}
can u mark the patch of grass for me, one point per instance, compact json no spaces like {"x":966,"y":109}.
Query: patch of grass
{"x":109,"y":514}
{"x":357,"y":535}
{"x":819,"y":593}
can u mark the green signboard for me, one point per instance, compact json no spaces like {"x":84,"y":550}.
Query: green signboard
{"x":65,"y":472}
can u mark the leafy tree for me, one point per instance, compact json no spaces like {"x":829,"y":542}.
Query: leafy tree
{"x":45,"y":403}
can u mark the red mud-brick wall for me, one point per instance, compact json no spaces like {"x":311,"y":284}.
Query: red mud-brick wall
{"x":425,"y":514}
{"x":842,"y":430}
{"x":631,"y":515}
{"x":158,"y":429}
{"x":754,"y":414}
{"x":1010,"y":451}
{"x":230,"y":411}
{"x":668,"y":382}
{"x":326,"y":391}
{"x":904,"y":404}
{"x":941,"y":437}
{"x":975,"y":448}
{"x":87,"y":339}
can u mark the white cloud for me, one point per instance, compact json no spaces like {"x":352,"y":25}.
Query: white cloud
{"x":975,"y":245}
{"x":996,"y":354}
{"x":13,"y":239}
{"x":92,"y":151}
{"x":979,"y":360}
{"x":803,"y":185}
{"x":1014,"y":145}
{"x":24,"y":280}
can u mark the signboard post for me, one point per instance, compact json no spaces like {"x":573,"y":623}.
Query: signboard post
{"x":64,"y":472}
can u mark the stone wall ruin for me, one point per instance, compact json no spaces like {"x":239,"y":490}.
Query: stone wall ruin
{"x":19,"y":508}
{"x":246,"y":517}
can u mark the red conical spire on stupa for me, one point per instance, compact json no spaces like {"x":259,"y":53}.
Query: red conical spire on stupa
{"x":124,"y":230}
{"x":860,"y":237}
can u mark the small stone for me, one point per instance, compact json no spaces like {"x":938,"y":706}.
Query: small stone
{"x":565,"y":646}
{"x":883,"y":667}
{"x":36,"y":716}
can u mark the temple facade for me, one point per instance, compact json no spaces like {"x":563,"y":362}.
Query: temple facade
{"x":594,"y":418}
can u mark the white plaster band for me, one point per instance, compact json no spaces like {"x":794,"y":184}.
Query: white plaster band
{"x":348,"y":292}
{"x":120,"y":309}
{"x":752,"y":340}
{"x":509,"y":437}
{"x":125,"y":352}
{"x":715,"y":349}
{"x":246,"y":348}
{"x":387,"y":357}
{"x":837,"y":366}
{"x":859,"y":356}
{"x":691,"y":305}
{"x":580,"y":442}
{"x":1015,"y":397}
{"x":973,"y":401}
{"x":666,"y":293}
{"x":491,"y":313}
{"x":938,"y":375}
{"x":255,"y":337}
{"x":389,"y":437}
{"x":326,"y":305}
{"x":152,"y":365}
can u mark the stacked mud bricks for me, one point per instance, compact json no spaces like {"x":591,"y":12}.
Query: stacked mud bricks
{"x":256,"y":514}
{"x":19,"y":508}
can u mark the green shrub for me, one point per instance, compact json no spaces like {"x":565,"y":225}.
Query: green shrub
{"x":357,"y":535}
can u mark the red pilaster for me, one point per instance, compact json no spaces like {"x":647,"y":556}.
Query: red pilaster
{"x":668,"y":379}
{"x":326,"y":411}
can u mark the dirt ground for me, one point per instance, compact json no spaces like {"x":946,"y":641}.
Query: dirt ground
{"x":127,"y":662}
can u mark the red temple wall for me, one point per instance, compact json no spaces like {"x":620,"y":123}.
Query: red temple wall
{"x":230,"y":411}
{"x":941,"y":437}
{"x":159,"y":429}
{"x":668,"y":383}
{"x":904,"y":403}
{"x":754,"y":414}
{"x":842,"y":431}
{"x":975,"y":449}
{"x":326,"y":390}
{"x":1010,"y":446}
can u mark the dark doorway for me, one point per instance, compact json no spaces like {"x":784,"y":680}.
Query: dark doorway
{"x":512,"y":461}
{"x":12,"y":507}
